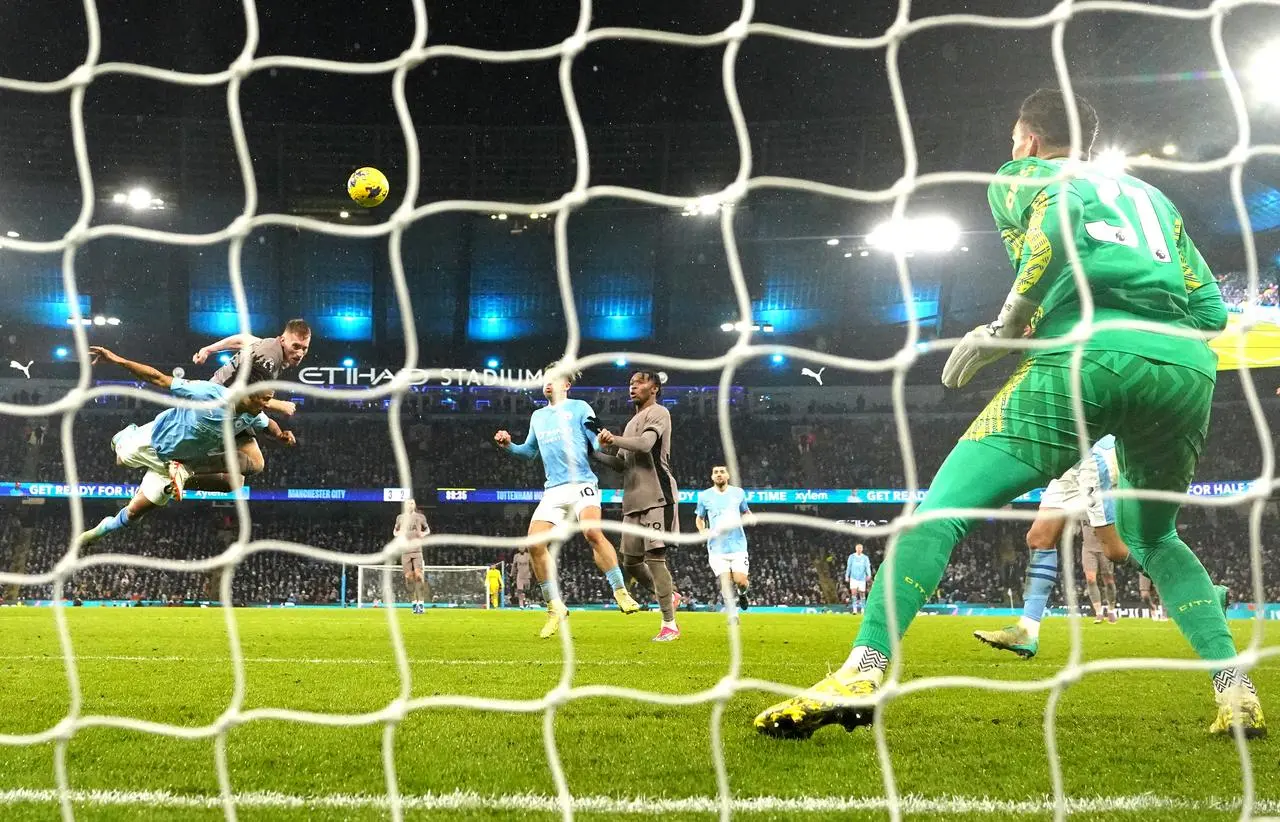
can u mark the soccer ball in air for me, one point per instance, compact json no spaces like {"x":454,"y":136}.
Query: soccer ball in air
{"x":368,"y":187}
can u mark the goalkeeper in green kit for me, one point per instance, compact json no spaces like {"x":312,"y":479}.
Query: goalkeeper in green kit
{"x":1152,"y":391}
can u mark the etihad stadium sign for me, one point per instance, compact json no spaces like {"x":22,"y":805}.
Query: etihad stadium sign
{"x":351,"y":377}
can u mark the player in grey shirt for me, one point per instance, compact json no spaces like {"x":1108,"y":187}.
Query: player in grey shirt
{"x":649,"y":493}
{"x":524,"y":573}
{"x":413,"y":525}
{"x":270,"y":356}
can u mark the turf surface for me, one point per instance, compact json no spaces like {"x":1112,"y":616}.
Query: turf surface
{"x":1134,"y":742}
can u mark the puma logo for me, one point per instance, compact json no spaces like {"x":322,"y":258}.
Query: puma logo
{"x":25,"y":369}
{"x":817,"y":377}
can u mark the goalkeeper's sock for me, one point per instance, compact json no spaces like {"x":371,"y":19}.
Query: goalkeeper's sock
{"x":614,"y":575}
{"x":864,"y":663}
{"x":1189,"y":598}
{"x":1042,"y":575}
{"x":975,"y":475}
{"x":1229,"y":677}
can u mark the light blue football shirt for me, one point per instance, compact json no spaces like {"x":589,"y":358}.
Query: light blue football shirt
{"x":724,"y":509}
{"x":562,"y":435}
{"x":858,"y":567}
{"x":186,"y":433}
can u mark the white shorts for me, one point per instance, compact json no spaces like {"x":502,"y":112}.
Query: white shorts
{"x":133,"y":448}
{"x":728,"y":563}
{"x":566,"y":501}
{"x":858,"y":586}
{"x":1082,"y":483}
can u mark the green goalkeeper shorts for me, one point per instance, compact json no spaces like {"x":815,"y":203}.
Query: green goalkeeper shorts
{"x":1158,"y":412}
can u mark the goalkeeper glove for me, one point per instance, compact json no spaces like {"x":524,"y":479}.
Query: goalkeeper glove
{"x":976,"y":352}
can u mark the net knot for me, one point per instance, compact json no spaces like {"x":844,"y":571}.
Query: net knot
{"x":573,"y":45}
{"x":242,"y":67}
{"x":737,"y":30}
{"x":557,"y":696}
{"x":81,"y":76}
{"x":724,"y":690}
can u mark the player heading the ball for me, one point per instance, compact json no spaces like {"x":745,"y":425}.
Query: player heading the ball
{"x":1153,"y":391}
{"x":270,"y":356}
{"x":564,"y":434}
{"x":176,"y":435}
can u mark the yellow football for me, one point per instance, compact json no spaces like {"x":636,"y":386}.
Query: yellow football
{"x":368,"y":187}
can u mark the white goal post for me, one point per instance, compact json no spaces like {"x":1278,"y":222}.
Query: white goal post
{"x":451,"y":586}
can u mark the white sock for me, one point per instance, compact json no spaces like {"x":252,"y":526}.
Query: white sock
{"x":864,"y":663}
{"x":671,"y":625}
{"x":1031,"y":626}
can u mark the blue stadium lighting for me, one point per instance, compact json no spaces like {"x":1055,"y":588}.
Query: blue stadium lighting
{"x":778,"y":359}
{"x":492,"y":362}
{"x":61,"y":352}
{"x":621,"y":362}
{"x":225,"y":359}
{"x":348,"y":362}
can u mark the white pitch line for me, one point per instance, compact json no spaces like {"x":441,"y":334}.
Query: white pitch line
{"x":1021,"y":665}
{"x":467,"y":800}
{"x":272,"y":660}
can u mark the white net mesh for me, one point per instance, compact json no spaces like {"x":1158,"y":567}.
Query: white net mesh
{"x":730,"y":40}
{"x":446,"y":586}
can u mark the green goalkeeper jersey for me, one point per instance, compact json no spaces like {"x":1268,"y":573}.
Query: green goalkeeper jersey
{"x":1135,"y":252}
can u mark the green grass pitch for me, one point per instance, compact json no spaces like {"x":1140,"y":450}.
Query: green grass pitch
{"x":1133,"y":744}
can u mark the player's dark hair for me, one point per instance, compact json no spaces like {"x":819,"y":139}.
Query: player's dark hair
{"x":725,"y":467}
{"x":653,"y":377}
{"x":1044,"y":114}
{"x":298,"y":327}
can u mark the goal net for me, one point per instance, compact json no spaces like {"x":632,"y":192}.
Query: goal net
{"x":447,"y":586}
{"x":733,"y":793}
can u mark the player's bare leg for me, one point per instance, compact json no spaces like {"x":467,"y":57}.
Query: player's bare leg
{"x":1109,"y":599}
{"x":418,"y":584}
{"x":606,"y":559}
{"x":742,"y":583}
{"x":137,"y":507}
{"x":1095,"y":595}
{"x":1023,"y":638}
{"x":544,"y":570}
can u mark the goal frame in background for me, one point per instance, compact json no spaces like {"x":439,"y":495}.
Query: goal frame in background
{"x":741,"y":350}
{"x":375,"y":573}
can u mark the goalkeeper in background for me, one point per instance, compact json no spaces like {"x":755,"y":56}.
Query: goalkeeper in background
{"x":1152,"y":390}
{"x":493,"y":583}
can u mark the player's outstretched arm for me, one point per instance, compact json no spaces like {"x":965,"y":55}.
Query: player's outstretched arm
{"x":525,"y":450}
{"x":143,"y":372}
{"x":282,"y":407}
{"x":235,"y":341}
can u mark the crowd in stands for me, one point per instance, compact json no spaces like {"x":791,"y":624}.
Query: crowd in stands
{"x":827,"y":447}
{"x":1234,"y":286}
{"x":789,"y":565}
{"x":858,"y":451}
